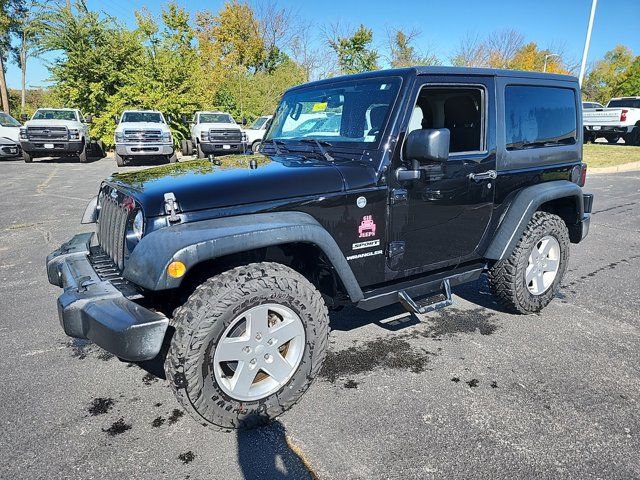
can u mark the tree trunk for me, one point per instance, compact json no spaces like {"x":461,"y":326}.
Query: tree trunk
{"x":4,"y":94}
{"x":23,"y":68}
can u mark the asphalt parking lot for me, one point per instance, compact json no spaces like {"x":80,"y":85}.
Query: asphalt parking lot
{"x":469,"y":392}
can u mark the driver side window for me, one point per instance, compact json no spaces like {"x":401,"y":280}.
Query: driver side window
{"x":459,"y":109}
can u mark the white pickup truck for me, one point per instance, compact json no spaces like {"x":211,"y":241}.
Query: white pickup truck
{"x":56,"y":132}
{"x":143,"y":134}
{"x":620,"y":119}
{"x":214,"y":133}
{"x":255,"y":133}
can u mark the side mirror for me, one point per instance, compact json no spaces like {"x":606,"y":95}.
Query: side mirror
{"x":169,"y":119}
{"x":116,"y":119}
{"x":185,"y":119}
{"x":429,"y":145}
{"x":244,"y":121}
{"x":88,"y":119}
{"x":24,"y":117}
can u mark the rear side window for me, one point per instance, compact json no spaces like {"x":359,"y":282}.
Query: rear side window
{"x":539,"y":116}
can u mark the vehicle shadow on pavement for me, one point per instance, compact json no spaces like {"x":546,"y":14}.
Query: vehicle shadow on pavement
{"x":66,"y":160}
{"x":266,"y":453}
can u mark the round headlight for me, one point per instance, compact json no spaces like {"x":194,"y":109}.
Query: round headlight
{"x":138,"y":225}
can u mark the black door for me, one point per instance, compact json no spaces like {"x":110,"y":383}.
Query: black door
{"x":440,"y":219}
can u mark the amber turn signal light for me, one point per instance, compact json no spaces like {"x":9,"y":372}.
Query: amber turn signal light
{"x":176,"y":269}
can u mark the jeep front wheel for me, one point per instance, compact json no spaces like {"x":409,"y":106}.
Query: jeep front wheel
{"x":247,"y":345}
{"x":530,"y":277}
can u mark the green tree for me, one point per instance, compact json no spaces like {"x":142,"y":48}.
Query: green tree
{"x":605,"y":78}
{"x":629,"y":82}
{"x":354,"y":52}
{"x":10,"y":10}
{"x":404,"y":54}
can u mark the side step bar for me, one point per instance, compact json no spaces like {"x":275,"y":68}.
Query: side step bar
{"x":411,"y":306}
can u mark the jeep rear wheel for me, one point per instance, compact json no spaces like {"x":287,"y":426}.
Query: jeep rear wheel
{"x":247,"y":345}
{"x":530,"y":277}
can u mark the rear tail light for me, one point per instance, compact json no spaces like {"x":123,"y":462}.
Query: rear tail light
{"x":623,"y":115}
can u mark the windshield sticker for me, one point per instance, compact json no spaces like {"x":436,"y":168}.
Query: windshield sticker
{"x":367,"y":227}
{"x":361,"y":202}
{"x":367,"y":244}
{"x":319,"y":107}
{"x":364,"y":255}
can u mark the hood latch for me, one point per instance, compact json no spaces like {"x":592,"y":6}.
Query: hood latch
{"x":171,"y":207}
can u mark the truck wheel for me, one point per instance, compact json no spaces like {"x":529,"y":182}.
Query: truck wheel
{"x":633,"y":138}
{"x":530,"y":277}
{"x":613,"y":139}
{"x":255,"y":146}
{"x":183,"y":147}
{"x":172,"y":158}
{"x":247,"y":345}
{"x":27,"y":157}
{"x":199,"y":151}
{"x":119,"y":159}
{"x":189,"y":147}
{"x":82,"y":156}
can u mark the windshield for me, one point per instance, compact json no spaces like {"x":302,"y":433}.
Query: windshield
{"x":55,"y":115}
{"x":259,"y":123}
{"x":625,"y":102}
{"x":215,"y":118}
{"x":134,"y":117}
{"x":350,"y":114}
{"x":8,"y":120}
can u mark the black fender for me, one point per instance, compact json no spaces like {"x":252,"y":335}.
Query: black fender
{"x":522,"y":208}
{"x":193,"y":243}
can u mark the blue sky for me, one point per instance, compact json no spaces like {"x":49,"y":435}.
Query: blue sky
{"x":442,"y":23}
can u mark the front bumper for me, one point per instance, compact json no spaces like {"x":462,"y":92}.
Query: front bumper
{"x":7,"y":151}
{"x":140,"y":149}
{"x":94,"y":309}
{"x":222,"y":148}
{"x":46,"y":149}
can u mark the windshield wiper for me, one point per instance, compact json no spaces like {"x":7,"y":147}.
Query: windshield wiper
{"x":275,"y":144}
{"x":320,"y":144}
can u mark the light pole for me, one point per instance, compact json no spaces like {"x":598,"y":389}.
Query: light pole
{"x":547,"y":56}
{"x":587,"y":41}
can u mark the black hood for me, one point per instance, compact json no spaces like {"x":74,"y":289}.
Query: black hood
{"x":239,"y":179}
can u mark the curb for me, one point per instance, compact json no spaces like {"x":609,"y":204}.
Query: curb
{"x":625,"y":167}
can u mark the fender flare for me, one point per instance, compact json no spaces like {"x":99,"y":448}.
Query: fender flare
{"x":193,"y":243}
{"x":522,"y":208}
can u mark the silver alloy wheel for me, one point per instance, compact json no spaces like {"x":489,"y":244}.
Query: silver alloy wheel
{"x":259,"y":352}
{"x":544,"y":262}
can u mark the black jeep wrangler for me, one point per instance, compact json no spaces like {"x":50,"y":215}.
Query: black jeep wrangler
{"x":390,"y":186}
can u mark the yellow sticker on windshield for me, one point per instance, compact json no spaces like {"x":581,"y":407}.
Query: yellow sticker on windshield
{"x":319,"y":107}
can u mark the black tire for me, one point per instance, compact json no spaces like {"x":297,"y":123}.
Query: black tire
{"x":173,"y":158}
{"x":189,"y":147}
{"x":507,"y":277}
{"x":200,"y":323}
{"x":200,"y":153}
{"x":119,"y":159}
{"x":28,"y":158}
{"x":183,"y":147}
{"x":613,"y":138}
{"x":633,"y":138}
{"x":82,"y":156}
{"x":255,"y":146}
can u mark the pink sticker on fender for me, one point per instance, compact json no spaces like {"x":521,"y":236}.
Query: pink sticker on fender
{"x":367,"y":227}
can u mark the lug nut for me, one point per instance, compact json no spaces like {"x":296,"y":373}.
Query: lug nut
{"x":268,"y":358}
{"x":252,"y":362}
{"x":258,"y":336}
{"x":271,"y":341}
{"x":246,"y":349}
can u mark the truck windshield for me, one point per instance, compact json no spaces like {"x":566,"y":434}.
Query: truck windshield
{"x":349,"y":113}
{"x":134,"y":117}
{"x":8,"y":120}
{"x":625,"y":102}
{"x":216,"y":118}
{"x":259,"y":123}
{"x":55,"y":115}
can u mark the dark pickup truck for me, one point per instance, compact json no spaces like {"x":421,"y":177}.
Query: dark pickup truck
{"x":410,"y":182}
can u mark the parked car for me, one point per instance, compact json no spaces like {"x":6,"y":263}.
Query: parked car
{"x":9,"y":127}
{"x":9,"y":148}
{"x":620,"y":119}
{"x":143,"y":134}
{"x":256,"y":131}
{"x":214,"y":133}
{"x":226,"y":272}
{"x":56,"y":132}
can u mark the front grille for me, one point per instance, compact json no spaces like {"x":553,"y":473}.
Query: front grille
{"x":225,"y":136}
{"x":112,"y":224}
{"x":46,"y":134}
{"x":107,"y":270}
{"x":143,"y":136}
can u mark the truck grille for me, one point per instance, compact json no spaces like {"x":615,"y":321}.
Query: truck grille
{"x":46,"y":134}
{"x":143,"y":136}
{"x":225,"y":136}
{"x":112,"y":224}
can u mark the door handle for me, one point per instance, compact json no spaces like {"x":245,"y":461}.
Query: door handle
{"x":488,"y":175}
